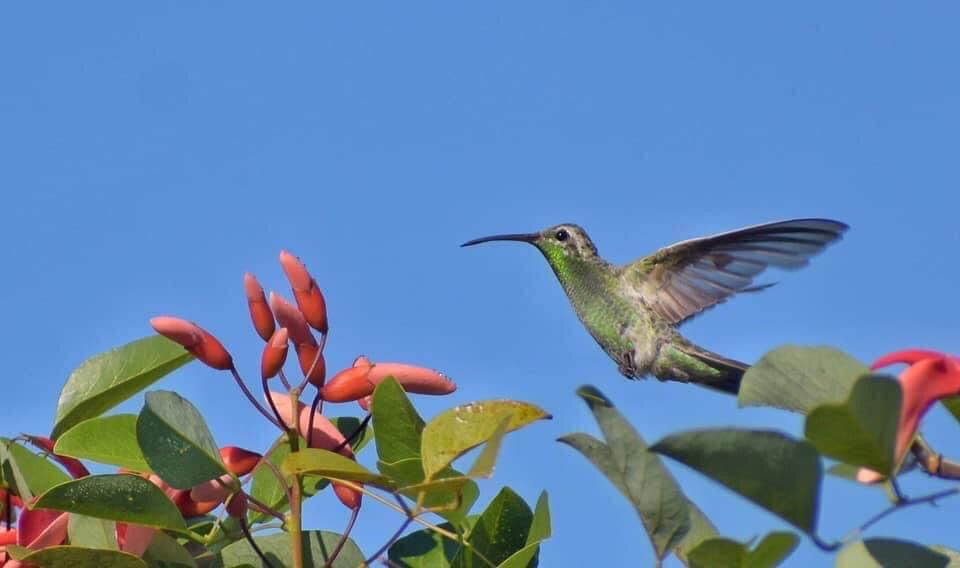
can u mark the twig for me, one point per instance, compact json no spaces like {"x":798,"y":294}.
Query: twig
{"x":394,"y":537}
{"x":316,"y":359}
{"x":283,"y":379}
{"x":355,"y":435}
{"x":313,"y":414}
{"x":907,"y":502}
{"x":256,"y":404}
{"x":253,"y":543}
{"x":933,"y":463}
{"x":343,"y":538}
{"x":273,"y":405}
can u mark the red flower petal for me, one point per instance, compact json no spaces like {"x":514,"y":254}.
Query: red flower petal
{"x":908,"y":356}
{"x":194,"y":339}
{"x":260,"y":313}
{"x":291,"y":318}
{"x":239,"y":461}
{"x":305,"y":291}
{"x":274,"y":354}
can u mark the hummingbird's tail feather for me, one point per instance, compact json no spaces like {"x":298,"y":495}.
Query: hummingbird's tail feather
{"x":690,"y":363}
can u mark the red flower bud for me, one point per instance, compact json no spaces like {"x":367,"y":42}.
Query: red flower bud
{"x":214,"y":490}
{"x":307,"y":354}
{"x":237,"y":505}
{"x":190,"y":508}
{"x":291,"y":318}
{"x":8,"y":537}
{"x":72,"y":465}
{"x":305,"y":290}
{"x":194,"y":339}
{"x":350,"y":497}
{"x":274,"y":353}
{"x":418,"y":380}
{"x":349,"y":384}
{"x":238,"y":460}
{"x":260,"y":312}
{"x":40,"y":528}
{"x":134,"y":539}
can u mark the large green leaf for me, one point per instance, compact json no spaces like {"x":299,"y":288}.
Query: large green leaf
{"x":30,"y":474}
{"x":75,"y":557}
{"x":501,"y":530}
{"x":426,"y":548}
{"x":118,"y":497}
{"x":540,"y":530}
{"x":639,"y":474}
{"x":798,"y":378}
{"x":889,"y":552}
{"x":107,"y":439}
{"x":862,"y":430}
{"x":779,"y":473}
{"x":727,"y":553}
{"x":397,"y":424}
{"x":454,"y":432}
{"x":334,"y":466}
{"x":266,"y":487}
{"x":91,"y":532}
{"x":176,"y":442}
{"x":165,"y":552}
{"x":107,"y":379}
{"x":317,"y":547}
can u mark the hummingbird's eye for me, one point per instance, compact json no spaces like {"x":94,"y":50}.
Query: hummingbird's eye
{"x":562,"y":235}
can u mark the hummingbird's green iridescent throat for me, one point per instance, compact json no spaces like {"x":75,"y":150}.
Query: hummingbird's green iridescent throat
{"x":633,"y":311}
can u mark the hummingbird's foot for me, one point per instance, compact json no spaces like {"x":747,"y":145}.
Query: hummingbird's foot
{"x":627,"y":365}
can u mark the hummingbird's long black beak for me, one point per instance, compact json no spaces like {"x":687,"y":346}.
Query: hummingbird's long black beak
{"x":522,"y":237}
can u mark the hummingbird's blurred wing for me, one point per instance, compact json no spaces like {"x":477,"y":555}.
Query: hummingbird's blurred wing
{"x":685,"y":278}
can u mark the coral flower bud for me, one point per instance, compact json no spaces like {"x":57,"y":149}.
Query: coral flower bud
{"x":350,"y":497}
{"x":190,"y":508}
{"x":8,"y":537}
{"x":214,"y":490}
{"x":305,"y":291}
{"x":237,"y":505}
{"x":349,"y":384}
{"x":260,"y":312}
{"x":418,"y":380}
{"x":311,"y":358}
{"x":194,"y":339}
{"x":291,"y":318}
{"x":238,"y":460}
{"x":40,"y":528}
{"x":325,"y":434}
{"x":274,"y":354}
{"x":134,"y":539}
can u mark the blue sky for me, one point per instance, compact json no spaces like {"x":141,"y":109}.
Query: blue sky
{"x":149,"y":155}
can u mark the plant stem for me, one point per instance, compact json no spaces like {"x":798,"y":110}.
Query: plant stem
{"x":316,"y":358}
{"x":273,"y":405}
{"x":283,"y":379}
{"x":355,"y":434}
{"x":343,"y":538}
{"x":296,"y":493}
{"x":256,"y":404}
{"x":253,"y":543}
{"x":906,"y":502}
{"x":313,"y":414}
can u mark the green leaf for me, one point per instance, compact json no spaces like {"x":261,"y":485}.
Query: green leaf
{"x":772,"y":550}
{"x":118,"y":497}
{"x":334,"y":466}
{"x":718,"y":553}
{"x":165,"y":552}
{"x":485,"y":462}
{"x":726,"y":553}
{"x":779,"y":473}
{"x":454,"y":432}
{"x":862,"y":430}
{"x":882,"y":552}
{"x":798,"y":378}
{"x":265,"y":486}
{"x":952,"y":405}
{"x":449,"y":487}
{"x":500,"y":531}
{"x":638,"y":474}
{"x":176,"y":442}
{"x":107,"y":379}
{"x":317,"y":546}
{"x":950,"y":553}
{"x":397,"y":424}
{"x":425,"y":549}
{"x":540,"y":530}
{"x":30,"y":474}
{"x":75,"y":557}
{"x":91,"y":532}
{"x":107,"y":439}
{"x":347,"y":425}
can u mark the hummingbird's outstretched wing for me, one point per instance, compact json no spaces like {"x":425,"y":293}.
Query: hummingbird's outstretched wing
{"x":685,"y":278}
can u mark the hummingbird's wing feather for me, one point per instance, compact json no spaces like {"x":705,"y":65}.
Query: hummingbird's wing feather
{"x":683,"y":279}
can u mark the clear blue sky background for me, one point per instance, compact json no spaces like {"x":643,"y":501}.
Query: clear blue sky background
{"x":149,"y":155}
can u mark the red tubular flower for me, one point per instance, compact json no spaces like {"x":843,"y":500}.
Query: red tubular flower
{"x":274,"y":353}
{"x":134,"y":539}
{"x":74,"y":466}
{"x":291,"y":318}
{"x":194,"y":339}
{"x":349,"y":384}
{"x":350,"y":497}
{"x":305,"y":291}
{"x":8,"y":537}
{"x":260,"y":312}
{"x":360,"y":380}
{"x":311,"y":358}
{"x":40,"y":528}
{"x":930,"y":377}
{"x":215,"y":490}
{"x":239,"y":461}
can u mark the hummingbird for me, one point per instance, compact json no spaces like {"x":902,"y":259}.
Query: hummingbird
{"x":633,"y":311}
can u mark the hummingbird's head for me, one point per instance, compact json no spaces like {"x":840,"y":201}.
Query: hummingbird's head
{"x":557,"y":242}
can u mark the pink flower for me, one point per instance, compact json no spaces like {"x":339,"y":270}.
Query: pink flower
{"x":930,"y":377}
{"x":361,"y":379}
{"x":194,"y":339}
